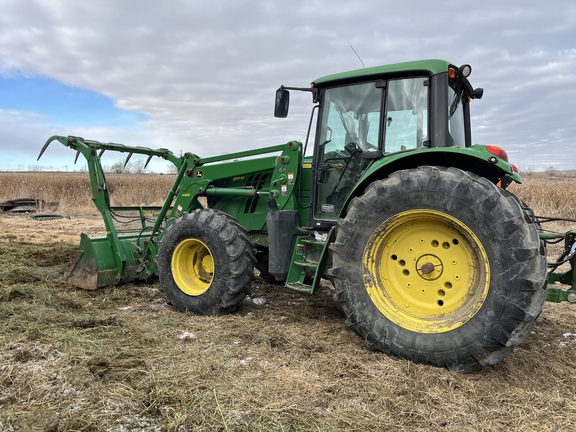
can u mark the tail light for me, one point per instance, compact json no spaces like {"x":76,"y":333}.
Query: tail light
{"x":498,"y":151}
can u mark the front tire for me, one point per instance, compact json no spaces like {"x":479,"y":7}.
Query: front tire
{"x":205,"y":263}
{"x":439,"y":266}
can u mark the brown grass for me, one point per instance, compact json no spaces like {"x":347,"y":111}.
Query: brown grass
{"x":119,"y":359}
{"x":549,"y":196}
{"x":71,"y":191}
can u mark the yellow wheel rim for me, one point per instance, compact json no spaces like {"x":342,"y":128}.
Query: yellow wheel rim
{"x":426,"y":271}
{"x":193,"y":267}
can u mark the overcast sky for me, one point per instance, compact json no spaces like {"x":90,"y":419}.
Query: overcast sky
{"x":197,"y":76}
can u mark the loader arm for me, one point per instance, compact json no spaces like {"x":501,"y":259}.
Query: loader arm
{"x":126,"y":255}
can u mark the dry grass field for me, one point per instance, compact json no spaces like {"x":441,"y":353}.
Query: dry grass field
{"x":71,"y":190}
{"x":119,"y":359}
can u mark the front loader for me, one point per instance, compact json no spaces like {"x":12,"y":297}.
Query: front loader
{"x":431,"y":258}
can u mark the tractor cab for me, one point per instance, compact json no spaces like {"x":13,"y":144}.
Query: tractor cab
{"x":369,"y":114}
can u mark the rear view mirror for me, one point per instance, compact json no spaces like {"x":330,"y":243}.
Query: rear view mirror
{"x":282,"y":103}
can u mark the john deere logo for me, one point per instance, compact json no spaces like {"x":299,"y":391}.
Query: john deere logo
{"x":199,"y":174}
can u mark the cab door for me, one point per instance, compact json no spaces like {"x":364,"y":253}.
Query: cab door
{"x":349,"y":127}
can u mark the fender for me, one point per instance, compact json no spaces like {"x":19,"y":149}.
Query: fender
{"x":476,"y":159}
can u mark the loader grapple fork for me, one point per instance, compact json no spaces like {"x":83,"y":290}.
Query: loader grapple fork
{"x":116,"y":257}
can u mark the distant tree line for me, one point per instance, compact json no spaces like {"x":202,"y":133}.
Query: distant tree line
{"x":132,"y":167}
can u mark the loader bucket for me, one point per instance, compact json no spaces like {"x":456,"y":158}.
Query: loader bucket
{"x":96,"y":265}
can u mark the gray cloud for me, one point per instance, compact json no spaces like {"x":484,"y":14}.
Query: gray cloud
{"x":204,"y":74}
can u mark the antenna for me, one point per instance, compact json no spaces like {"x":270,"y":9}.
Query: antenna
{"x":358,"y":56}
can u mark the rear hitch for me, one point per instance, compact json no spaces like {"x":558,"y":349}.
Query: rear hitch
{"x":557,"y":276}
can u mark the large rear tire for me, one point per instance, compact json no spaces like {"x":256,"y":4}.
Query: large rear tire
{"x":205,"y":263}
{"x":439,"y":266}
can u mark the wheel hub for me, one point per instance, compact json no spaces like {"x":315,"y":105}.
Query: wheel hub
{"x":426,"y":271}
{"x":193,"y":267}
{"x":429,"y":267}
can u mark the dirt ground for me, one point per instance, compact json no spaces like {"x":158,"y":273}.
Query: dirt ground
{"x":21,"y":228}
{"x":120,"y":359}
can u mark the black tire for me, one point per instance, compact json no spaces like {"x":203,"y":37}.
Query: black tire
{"x":45,"y":217}
{"x":439,"y":266}
{"x":205,"y":263}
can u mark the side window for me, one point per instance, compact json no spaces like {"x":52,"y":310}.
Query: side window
{"x":456,"y":118}
{"x":336,"y":128}
{"x":349,"y":127}
{"x":406,"y":124}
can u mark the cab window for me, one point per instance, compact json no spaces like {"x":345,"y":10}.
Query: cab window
{"x":406,"y":124}
{"x":349,"y":127}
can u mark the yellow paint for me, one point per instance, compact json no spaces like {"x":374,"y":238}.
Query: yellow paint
{"x":193,"y":267}
{"x":426,"y":271}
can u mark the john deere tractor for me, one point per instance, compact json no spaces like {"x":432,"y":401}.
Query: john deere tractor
{"x":431,"y":258}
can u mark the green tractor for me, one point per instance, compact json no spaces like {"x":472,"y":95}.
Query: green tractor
{"x":431,"y":258}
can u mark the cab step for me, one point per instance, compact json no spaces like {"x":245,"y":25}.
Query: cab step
{"x":307,"y":264}
{"x":300,"y":287}
{"x":308,"y":261}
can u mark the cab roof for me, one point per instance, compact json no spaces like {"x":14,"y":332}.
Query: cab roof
{"x":431,"y":66}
